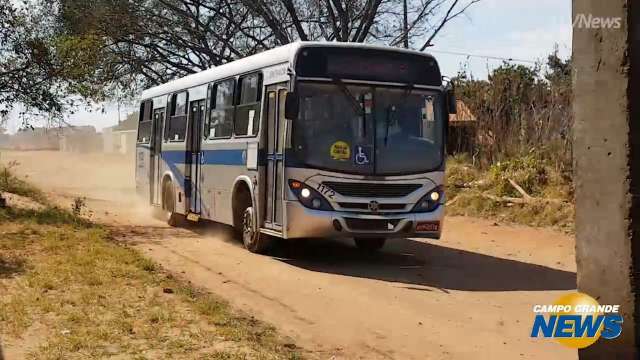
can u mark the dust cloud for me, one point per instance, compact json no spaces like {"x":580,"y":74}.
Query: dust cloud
{"x":106,"y":185}
{"x":106,"y":182}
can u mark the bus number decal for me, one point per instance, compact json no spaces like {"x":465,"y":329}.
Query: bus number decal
{"x":326,"y":191}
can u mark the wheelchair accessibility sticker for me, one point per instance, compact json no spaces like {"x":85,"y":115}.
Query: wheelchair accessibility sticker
{"x":362,"y":155}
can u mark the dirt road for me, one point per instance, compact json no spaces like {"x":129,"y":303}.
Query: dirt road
{"x":469,"y":295}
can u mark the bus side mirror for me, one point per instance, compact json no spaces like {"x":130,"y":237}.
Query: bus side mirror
{"x":291,"y":106}
{"x":451,"y":101}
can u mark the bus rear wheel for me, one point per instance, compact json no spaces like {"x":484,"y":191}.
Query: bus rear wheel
{"x":253,"y":240}
{"x":169,"y":205}
{"x":370,"y":245}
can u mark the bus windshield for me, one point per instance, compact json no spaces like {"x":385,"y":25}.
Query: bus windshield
{"x":369,"y":130}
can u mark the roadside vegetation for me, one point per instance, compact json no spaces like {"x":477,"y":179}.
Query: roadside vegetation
{"x":519,"y":166}
{"x":68,"y":290}
{"x":11,"y":184}
{"x":526,"y":190}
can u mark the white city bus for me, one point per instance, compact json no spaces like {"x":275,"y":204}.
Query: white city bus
{"x":306,"y":140}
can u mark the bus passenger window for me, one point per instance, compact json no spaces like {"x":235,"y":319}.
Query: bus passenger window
{"x":248,"y":110}
{"x":177,"y":126}
{"x":221,"y":119}
{"x":144,"y":127}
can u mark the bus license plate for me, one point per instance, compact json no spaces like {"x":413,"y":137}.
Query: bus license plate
{"x":428,"y":226}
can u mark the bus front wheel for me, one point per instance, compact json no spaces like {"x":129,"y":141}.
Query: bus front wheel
{"x":253,"y":240}
{"x":370,"y":244}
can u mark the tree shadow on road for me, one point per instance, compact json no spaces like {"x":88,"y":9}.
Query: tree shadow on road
{"x":417,"y":263}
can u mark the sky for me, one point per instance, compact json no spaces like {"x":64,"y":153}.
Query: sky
{"x":515,"y":29}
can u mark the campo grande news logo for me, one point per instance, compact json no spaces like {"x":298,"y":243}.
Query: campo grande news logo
{"x":577,"y":321}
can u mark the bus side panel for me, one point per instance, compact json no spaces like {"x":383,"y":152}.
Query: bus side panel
{"x":223,"y":161}
{"x":173,"y":166}
{"x":143,"y":171}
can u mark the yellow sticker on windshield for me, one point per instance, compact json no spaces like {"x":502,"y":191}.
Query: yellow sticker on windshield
{"x":340,"y":151}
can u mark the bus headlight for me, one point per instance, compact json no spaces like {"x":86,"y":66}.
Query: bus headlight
{"x":309,"y":197}
{"x":431,"y":201}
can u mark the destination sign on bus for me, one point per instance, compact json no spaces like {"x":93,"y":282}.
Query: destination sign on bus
{"x":371,"y":65}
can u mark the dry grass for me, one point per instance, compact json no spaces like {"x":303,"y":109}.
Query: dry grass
{"x":467,"y":184}
{"x":68,"y":291}
{"x":540,"y":214}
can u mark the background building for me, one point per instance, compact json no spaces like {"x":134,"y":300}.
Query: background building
{"x":463,"y":130}
{"x":122,"y":137}
{"x":82,"y":139}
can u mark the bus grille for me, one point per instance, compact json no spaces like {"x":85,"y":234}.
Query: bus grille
{"x":371,"y":224}
{"x":372,"y":189}
{"x":365,"y":206}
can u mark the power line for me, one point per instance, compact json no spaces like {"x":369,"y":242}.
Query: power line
{"x":482,"y":56}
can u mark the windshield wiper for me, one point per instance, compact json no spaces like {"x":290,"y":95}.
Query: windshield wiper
{"x":357,"y":106}
{"x":352,"y":99}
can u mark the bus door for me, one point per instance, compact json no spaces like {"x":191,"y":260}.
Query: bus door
{"x":156,"y":156}
{"x":274,"y":130}
{"x":192,"y":170}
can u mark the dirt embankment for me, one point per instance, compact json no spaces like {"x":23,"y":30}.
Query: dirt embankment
{"x":467,"y":295}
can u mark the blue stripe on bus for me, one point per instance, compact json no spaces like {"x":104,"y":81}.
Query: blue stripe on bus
{"x":211,"y":157}
{"x":231,"y":157}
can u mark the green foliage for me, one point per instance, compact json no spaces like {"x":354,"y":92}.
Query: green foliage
{"x":559,"y":73}
{"x":460,"y":173}
{"x":51,"y":51}
{"x":28,"y":72}
{"x":150,"y":42}
{"x":41,"y":67}
{"x":519,"y":108}
{"x":529,"y":171}
{"x":81,"y":59}
{"x":50,"y":215}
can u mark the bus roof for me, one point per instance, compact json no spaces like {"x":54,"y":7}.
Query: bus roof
{"x":279,"y":55}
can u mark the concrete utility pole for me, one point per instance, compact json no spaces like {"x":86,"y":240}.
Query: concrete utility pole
{"x":607,"y":163}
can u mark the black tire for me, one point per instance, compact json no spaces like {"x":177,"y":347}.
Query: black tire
{"x":253,"y":240}
{"x":370,"y":245}
{"x":169,"y":206}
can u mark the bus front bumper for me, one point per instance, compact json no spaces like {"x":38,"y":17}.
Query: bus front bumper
{"x":303,"y":222}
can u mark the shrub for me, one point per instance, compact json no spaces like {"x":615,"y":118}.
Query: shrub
{"x":529,"y":171}
{"x":12,"y":184}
